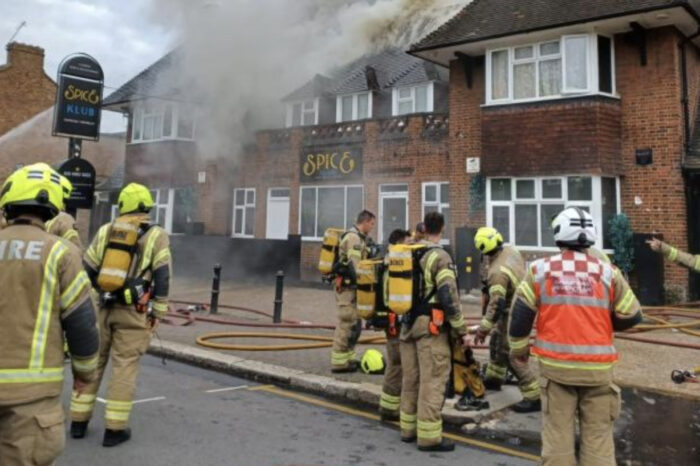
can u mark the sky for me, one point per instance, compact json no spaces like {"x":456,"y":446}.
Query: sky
{"x":121,"y":34}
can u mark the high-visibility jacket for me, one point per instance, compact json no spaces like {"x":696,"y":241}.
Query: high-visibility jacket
{"x":153,"y":262}
{"x":44,"y":295}
{"x":579,"y":301}
{"x":63,"y":226}
{"x":506,"y":270}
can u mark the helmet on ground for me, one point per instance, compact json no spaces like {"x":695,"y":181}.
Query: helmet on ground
{"x":37,"y":186}
{"x":135,"y":198}
{"x":487,"y":240}
{"x":372,"y":362}
{"x":574,"y":228}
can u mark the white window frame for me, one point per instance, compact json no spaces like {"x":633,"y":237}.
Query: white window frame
{"x":595,"y":205}
{"x":591,"y":77}
{"x":403,"y":194}
{"x":345,"y":207}
{"x":355,"y":106}
{"x":396,"y":99}
{"x":437,"y":203}
{"x":138,"y":116}
{"x":241,"y":210}
{"x":305,"y":110}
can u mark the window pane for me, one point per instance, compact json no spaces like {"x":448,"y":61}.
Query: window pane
{"x":185,"y":203}
{"x":551,"y":189}
{"x":346,"y":107}
{"x":296,"y":115}
{"x":525,"y":189}
{"x":137,"y":124}
{"x":161,"y":216}
{"x":281,"y":192}
{"x":185,"y":122}
{"x":168,"y":121}
{"x":550,"y":48}
{"x":147,"y":128}
{"x":446,"y":212}
{"x":422,"y":99}
{"x":500,"y":189}
{"x":405,"y":107}
{"x":238,"y":227}
{"x":240,"y":197}
{"x":524,"y":52}
{"x":331,"y":208}
{"x":405,"y":93}
{"x":394,"y":188}
{"x":309,"y":106}
{"x":354,"y":205}
{"x":308,"y":212}
{"x":158,"y":126}
{"x":499,"y":75}
{"x":308,"y":118}
{"x":550,"y":77}
{"x":524,"y":81}
{"x":250,"y":196}
{"x":575,"y":49}
{"x":362,"y":106}
{"x":609,"y":208}
{"x":580,"y":188}
{"x":501,"y":221}
{"x":526,"y":225}
{"x":430,"y":193}
{"x":605,"y":64}
{"x":445,"y":193}
{"x":548,"y":214}
{"x":249,"y":220}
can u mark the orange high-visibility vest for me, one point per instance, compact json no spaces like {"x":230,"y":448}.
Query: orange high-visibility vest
{"x":574,"y":322}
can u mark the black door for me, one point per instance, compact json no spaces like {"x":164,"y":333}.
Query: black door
{"x":693,"y":192}
{"x":468,"y":260}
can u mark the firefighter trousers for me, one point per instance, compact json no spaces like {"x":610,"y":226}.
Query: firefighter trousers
{"x":32,"y":434}
{"x":391,"y":387}
{"x":425,"y":362}
{"x":500,"y":360}
{"x":596,"y":408}
{"x":124,"y":338}
{"x":347,"y":331}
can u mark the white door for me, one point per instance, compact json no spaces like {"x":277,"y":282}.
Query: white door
{"x":277,"y":213}
{"x":393,"y":209}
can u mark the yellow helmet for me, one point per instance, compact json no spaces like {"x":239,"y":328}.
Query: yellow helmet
{"x":67,"y":187}
{"x":487,"y":240}
{"x":135,"y":198}
{"x":36,"y":185}
{"x":372,"y":362}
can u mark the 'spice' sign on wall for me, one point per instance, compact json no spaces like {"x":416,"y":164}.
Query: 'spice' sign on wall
{"x":78,"y":98}
{"x":331,"y":163}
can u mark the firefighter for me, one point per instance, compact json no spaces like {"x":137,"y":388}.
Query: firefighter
{"x":45,"y":293}
{"x":424,"y":344}
{"x":419,"y":233}
{"x":389,"y":402}
{"x":63,"y":224}
{"x":506,"y":270}
{"x":674,"y":255}
{"x":126,"y":329}
{"x":579,"y":302}
{"x":353,"y":249}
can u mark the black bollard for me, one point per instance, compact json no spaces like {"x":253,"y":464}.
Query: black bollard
{"x":279,"y":289}
{"x":214,"y":306}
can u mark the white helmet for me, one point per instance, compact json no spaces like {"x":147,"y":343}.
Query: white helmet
{"x":573,"y":227}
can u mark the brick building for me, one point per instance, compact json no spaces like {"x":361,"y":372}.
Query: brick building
{"x":591,"y":103}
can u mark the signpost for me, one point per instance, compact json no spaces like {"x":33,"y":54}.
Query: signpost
{"x":77,"y":114}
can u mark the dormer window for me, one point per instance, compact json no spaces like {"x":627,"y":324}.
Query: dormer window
{"x":158,"y":121}
{"x":413,"y":99}
{"x":354,"y":107}
{"x":302,"y":113}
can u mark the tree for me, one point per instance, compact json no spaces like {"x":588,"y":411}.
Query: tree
{"x":621,"y":238}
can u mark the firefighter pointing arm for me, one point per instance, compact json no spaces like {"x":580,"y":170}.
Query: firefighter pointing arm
{"x":674,"y":255}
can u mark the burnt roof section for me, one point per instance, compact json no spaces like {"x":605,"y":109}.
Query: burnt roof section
{"x":487,"y":19}
{"x":148,"y":83}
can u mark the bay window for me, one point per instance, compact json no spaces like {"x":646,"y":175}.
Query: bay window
{"x":354,"y":107}
{"x":325,"y":207}
{"x":566,"y":66}
{"x":413,"y":99}
{"x":522,"y":209}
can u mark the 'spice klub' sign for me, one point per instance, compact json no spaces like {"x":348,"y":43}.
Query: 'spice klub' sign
{"x":332,"y":163}
{"x":78,"y":98}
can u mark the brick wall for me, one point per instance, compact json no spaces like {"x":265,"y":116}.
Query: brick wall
{"x":25,"y":89}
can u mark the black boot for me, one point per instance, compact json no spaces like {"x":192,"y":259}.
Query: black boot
{"x":351,"y":367}
{"x":78,"y":429}
{"x":445,"y":445}
{"x":388,"y":416}
{"x":469,"y":403}
{"x":527,"y":406}
{"x":492,"y":384}
{"x":115,"y":437}
{"x":408,"y":439}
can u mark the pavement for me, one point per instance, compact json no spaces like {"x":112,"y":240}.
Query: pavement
{"x":185,"y":415}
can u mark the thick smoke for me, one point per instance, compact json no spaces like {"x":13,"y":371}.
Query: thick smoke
{"x":240,"y":57}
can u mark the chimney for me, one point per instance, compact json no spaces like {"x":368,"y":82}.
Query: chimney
{"x":27,"y":57}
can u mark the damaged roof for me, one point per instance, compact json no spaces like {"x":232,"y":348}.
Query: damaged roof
{"x":488,"y":19}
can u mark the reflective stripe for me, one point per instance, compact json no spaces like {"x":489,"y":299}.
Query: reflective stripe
{"x":408,"y":421}
{"x":457,"y":322}
{"x":443,"y":275}
{"x":574,"y":301}
{"x":400,"y":298}
{"x":527,"y":293}
{"x":485,"y":323}
{"x":119,"y":405}
{"x":325,"y":264}
{"x":146,"y":260}
{"x":673,"y":254}
{"x":118,"y":410}
{"x":112,"y":415}
{"x":626,"y":303}
{"x":497,"y":290}
{"x":427,"y":271}
{"x":54,"y":374}
{"x":531,"y":391}
{"x":365,"y":307}
{"x":429,"y":430}
{"x":48,"y":291}
{"x":97,"y":248}
{"x":161,"y":258}
{"x":341,"y":359}
{"x":389,"y":402}
{"x":575,"y":349}
{"x":84,"y":365}
{"x":518,"y":343}
{"x":494,"y":371}
{"x":400,"y":255}
{"x":513,"y":279}
{"x":70,"y":234}
{"x":74,"y":290}
{"x":592,"y":366}
{"x":113,"y":272}
{"x":354,"y":253}
{"x":82,"y":403}
{"x":697,"y":263}
{"x":160,"y":307}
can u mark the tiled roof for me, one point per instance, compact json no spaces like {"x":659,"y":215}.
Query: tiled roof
{"x":484,"y":19}
{"x":148,"y":82}
{"x":318,"y":86}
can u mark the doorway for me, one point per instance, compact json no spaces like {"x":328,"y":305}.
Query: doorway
{"x":277,"y":213}
{"x":393,"y":209}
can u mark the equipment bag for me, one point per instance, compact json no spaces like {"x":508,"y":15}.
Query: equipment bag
{"x":370,"y":297}
{"x":329,"y":251}
{"x":119,"y":252}
{"x":406,"y":287}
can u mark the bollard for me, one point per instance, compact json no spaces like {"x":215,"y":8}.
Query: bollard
{"x":279,"y":288}
{"x":214,"y":306}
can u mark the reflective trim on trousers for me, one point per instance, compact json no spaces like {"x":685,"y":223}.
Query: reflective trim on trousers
{"x":429,"y":430}
{"x":84,"y":365}
{"x":341,"y":359}
{"x":82,"y":403}
{"x":118,"y":410}
{"x":389,"y":402}
{"x":494,"y":371}
{"x":408,"y":421}
{"x":531,"y":391}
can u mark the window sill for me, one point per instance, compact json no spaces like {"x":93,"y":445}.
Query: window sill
{"x":243,"y":236}
{"x":135,"y":143}
{"x":507,"y":103}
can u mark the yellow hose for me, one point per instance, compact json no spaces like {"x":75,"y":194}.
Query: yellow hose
{"x":323,"y":342}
